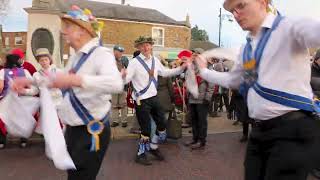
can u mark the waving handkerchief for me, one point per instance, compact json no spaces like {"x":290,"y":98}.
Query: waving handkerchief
{"x":222,"y":53}
{"x":56,"y":148}
{"x":17,"y":114}
{"x":191,"y":81}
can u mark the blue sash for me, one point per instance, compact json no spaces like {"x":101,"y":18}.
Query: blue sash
{"x":152,"y":79}
{"x":94,"y":126}
{"x":251,"y":67}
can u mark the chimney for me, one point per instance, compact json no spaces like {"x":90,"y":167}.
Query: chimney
{"x":188,"y":20}
{"x":123,"y":2}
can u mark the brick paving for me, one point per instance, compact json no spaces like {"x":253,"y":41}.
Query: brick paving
{"x":221,"y":160}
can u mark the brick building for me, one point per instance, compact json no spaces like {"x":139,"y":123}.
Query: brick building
{"x":11,"y":40}
{"x":123,"y":24}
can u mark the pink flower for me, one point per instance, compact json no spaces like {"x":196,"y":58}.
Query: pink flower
{"x":75,"y":7}
{"x":91,"y":17}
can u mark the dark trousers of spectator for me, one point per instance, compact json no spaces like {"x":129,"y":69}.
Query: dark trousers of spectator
{"x":150,"y":107}
{"x":214,"y":103}
{"x":224,"y":100}
{"x":3,"y":138}
{"x":282,"y":148}
{"x":199,"y":121}
{"x":78,"y":144}
{"x":245,"y":128}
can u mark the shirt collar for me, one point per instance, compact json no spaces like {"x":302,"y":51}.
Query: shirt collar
{"x":87,"y":47}
{"x":267,"y":23}
{"x":143,"y":57}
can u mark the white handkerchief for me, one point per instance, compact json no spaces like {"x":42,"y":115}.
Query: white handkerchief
{"x":17,"y":114}
{"x":56,"y":148}
{"x":191,"y":82}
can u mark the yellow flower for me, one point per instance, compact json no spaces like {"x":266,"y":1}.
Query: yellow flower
{"x":100,"y":25}
{"x":87,"y":12}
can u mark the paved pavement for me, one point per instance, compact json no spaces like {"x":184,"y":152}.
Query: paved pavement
{"x":221,"y":160}
{"x":215,"y":125}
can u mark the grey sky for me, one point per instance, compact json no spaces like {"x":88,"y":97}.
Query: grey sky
{"x":204,"y":13}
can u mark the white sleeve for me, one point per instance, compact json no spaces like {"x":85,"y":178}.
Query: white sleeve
{"x":166,"y":72}
{"x":306,"y":32}
{"x":108,"y":78}
{"x":230,"y":79}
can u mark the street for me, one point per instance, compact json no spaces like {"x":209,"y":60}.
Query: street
{"x":221,"y":160}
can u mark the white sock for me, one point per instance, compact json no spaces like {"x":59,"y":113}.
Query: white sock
{"x":153,"y":146}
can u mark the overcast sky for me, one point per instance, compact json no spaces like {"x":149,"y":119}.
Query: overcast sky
{"x":204,"y":13}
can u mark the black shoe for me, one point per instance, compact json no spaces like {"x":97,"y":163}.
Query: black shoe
{"x":135,"y":131}
{"x":114,"y":124}
{"x":124,"y":124}
{"x":185,"y":125}
{"x":198,"y":146}
{"x":243,"y":139}
{"x":143,"y":159}
{"x":214,"y":114}
{"x":235,"y":123}
{"x":156,"y":153}
{"x":187,"y":144}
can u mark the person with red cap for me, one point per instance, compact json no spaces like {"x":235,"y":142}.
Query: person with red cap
{"x":25,"y":64}
{"x":13,"y":69}
{"x":199,"y":106}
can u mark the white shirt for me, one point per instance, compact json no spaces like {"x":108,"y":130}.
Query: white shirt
{"x":100,"y":78}
{"x":28,"y":91}
{"x":284,"y":65}
{"x":140,"y":77}
{"x":56,"y":93}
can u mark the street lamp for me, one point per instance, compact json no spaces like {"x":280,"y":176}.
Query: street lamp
{"x":221,"y":18}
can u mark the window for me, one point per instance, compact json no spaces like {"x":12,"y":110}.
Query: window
{"x":42,"y":38}
{"x":18,"y":41}
{"x":158,"y":36}
{"x":7,"y":41}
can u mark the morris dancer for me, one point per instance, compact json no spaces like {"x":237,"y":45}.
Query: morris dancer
{"x":90,"y":77}
{"x":143,"y":71}
{"x":13,"y":69}
{"x":273,"y":75}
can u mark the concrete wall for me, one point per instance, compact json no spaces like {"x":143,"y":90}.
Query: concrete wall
{"x":50,"y":22}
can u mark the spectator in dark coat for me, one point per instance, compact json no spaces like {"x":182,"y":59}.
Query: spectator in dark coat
{"x":315,"y":74}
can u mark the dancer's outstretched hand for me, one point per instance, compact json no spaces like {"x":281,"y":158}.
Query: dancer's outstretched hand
{"x":63,"y":81}
{"x":19,"y":84}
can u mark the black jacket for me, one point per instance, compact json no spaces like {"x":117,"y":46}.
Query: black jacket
{"x":315,"y":79}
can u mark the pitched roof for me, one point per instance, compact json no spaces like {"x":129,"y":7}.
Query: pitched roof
{"x":120,"y":12}
{"x":205,"y":45}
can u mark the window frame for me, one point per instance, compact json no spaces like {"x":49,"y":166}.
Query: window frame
{"x":155,"y":38}
{"x":15,"y":41}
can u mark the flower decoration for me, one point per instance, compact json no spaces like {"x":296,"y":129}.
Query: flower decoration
{"x":85,"y":15}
